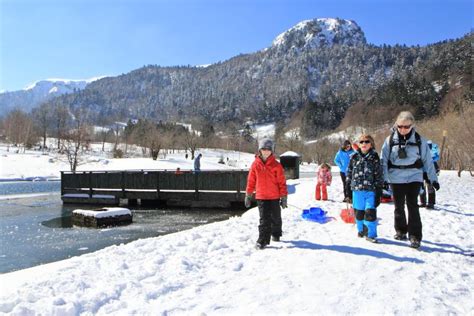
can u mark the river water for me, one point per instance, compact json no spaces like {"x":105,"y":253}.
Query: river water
{"x":36,"y":228}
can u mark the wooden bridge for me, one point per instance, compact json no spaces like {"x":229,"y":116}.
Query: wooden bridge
{"x":213,"y":188}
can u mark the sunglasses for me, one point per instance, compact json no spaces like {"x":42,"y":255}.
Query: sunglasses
{"x":364,"y":141}
{"x":404,"y":126}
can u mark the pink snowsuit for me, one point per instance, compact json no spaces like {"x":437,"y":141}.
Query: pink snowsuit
{"x":324,"y":179}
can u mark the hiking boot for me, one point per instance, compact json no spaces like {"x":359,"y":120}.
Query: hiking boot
{"x":259,"y":246}
{"x":372,"y":240}
{"x":276,"y":238}
{"x":400,"y":236}
{"x":414,"y":243}
{"x":363,"y":232}
{"x":422,"y":205}
{"x":430,"y":207}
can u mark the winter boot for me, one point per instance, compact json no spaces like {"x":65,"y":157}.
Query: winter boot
{"x":363,"y":232}
{"x":276,"y":238}
{"x":372,"y":240}
{"x":259,"y":246}
{"x":414,"y":242}
{"x":400,"y":236}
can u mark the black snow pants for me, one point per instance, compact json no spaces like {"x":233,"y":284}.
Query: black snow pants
{"x":346,"y":188}
{"x":270,"y":220}
{"x":407,"y":192}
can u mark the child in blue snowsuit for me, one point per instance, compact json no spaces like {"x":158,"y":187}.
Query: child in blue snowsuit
{"x":364,"y":176}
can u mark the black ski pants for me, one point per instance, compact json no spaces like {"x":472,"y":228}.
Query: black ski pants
{"x":347,"y":188}
{"x":407,"y":192}
{"x":428,"y":187}
{"x":270,"y":220}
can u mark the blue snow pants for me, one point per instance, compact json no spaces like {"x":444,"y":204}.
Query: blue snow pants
{"x":363,"y":203}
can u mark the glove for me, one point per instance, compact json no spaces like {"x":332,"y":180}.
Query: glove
{"x":436,"y":185}
{"x":248,"y":200}
{"x":284,"y":201}
{"x":378,"y":196}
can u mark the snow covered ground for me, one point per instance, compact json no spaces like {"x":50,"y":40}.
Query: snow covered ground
{"x":316,"y":269}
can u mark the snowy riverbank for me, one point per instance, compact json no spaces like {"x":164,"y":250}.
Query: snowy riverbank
{"x":315,"y":269}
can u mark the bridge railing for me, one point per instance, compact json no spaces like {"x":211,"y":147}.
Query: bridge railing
{"x":158,"y":180}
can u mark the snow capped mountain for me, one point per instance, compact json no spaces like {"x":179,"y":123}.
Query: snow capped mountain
{"x":57,"y":85}
{"x":40,"y":91}
{"x":320,"y":32}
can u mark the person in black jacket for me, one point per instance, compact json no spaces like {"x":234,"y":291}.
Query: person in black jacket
{"x":364,"y":176}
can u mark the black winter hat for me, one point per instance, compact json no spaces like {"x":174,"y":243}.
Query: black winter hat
{"x":265,"y":143}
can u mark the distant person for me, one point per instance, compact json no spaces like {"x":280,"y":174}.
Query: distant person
{"x":197,"y":163}
{"x":267,"y":179}
{"x":324,"y":179}
{"x":427,"y":185}
{"x":364,"y":176}
{"x":342,"y":158}
{"x":404,"y":156}
{"x":178,"y":171}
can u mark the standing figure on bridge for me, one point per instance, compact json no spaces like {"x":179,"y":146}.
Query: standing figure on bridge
{"x":267,"y":179}
{"x":197,"y":163}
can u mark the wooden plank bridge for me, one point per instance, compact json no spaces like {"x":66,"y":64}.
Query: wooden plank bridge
{"x":209,"y":188}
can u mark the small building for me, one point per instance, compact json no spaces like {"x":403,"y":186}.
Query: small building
{"x":291,"y":163}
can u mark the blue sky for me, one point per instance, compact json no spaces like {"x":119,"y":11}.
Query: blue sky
{"x":79,"y":39}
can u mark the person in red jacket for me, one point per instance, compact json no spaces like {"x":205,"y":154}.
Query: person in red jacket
{"x":267,"y":179}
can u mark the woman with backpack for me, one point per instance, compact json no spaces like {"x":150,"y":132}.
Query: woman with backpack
{"x":405,"y":154}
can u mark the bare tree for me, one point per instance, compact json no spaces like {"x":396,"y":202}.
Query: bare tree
{"x":43,"y":117}
{"x":76,"y":138}
{"x":60,"y":114}
{"x":19,"y":129}
{"x":191,"y":142}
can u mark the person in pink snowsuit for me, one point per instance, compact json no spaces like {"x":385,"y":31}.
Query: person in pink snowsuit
{"x":324,"y":180}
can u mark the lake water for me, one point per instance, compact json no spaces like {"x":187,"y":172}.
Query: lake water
{"x":37,"y":229}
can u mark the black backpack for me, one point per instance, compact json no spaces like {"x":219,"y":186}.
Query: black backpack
{"x":418,"y":164}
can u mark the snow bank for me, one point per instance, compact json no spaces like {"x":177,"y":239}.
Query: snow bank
{"x":315,"y":269}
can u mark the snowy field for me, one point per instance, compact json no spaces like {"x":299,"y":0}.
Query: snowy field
{"x":316,"y":269}
{"x":35,"y":165}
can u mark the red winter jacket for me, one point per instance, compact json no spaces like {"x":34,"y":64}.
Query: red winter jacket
{"x":267,"y":179}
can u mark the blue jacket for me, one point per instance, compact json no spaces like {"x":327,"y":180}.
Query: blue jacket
{"x":434,"y":152}
{"x":342,"y":159}
{"x":400,"y":176}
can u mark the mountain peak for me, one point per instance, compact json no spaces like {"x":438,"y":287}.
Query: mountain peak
{"x":54,"y":82}
{"x":320,"y":32}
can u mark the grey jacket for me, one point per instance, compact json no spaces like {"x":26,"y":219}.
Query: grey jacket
{"x":394,"y":175}
{"x":197,"y":163}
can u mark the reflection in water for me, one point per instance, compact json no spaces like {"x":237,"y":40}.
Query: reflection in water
{"x":38,"y":230}
{"x":58,"y":222}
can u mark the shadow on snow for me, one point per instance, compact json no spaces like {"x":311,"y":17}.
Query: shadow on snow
{"x":351,"y":250}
